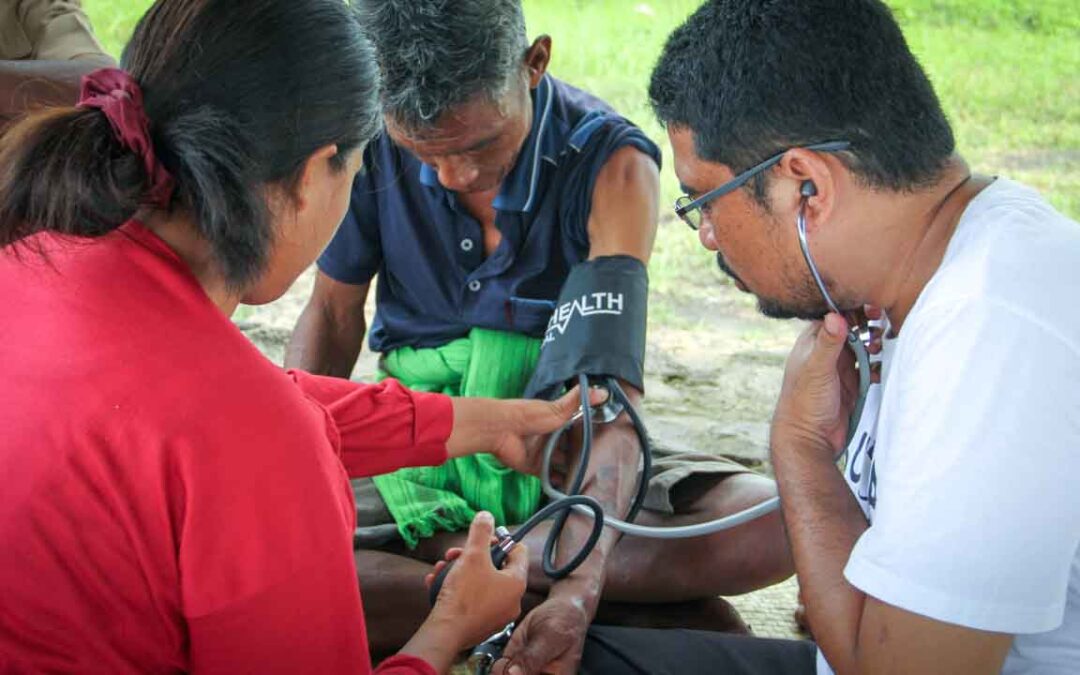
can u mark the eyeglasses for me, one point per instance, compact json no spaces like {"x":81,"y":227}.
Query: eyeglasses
{"x":689,"y":209}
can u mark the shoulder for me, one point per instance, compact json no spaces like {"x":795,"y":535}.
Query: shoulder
{"x":1013,"y":258}
{"x":593,"y":128}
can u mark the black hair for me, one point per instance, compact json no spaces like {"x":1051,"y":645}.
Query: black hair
{"x":239,"y":93}
{"x":750,"y":78}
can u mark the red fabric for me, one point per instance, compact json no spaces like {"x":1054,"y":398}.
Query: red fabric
{"x":118,"y":95}
{"x":402,"y":664}
{"x":169,"y":499}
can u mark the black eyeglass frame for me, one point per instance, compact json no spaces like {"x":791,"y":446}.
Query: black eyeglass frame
{"x":684,"y":205}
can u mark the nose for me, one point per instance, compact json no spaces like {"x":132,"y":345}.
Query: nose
{"x":456,"y":174}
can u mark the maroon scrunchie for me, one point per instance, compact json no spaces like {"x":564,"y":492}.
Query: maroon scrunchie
{"x":117,"y":94}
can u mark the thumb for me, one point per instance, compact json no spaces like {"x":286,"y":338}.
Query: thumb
{"x":480,"y":533}
{"x":569,"y":403}
{"x":566,"y":405}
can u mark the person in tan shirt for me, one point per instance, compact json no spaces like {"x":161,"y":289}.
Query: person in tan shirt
{"x":46,"y":46}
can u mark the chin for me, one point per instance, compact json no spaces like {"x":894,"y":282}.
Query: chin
{"x":265,"y":292}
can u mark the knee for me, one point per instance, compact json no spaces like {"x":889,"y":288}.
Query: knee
{"x":757,"y":550}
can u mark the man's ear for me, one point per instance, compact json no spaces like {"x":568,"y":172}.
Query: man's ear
{"x":811,"y":177}
{"x":537,"y":59}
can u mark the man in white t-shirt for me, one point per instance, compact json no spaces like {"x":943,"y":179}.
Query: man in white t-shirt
{"x":949,"y":542}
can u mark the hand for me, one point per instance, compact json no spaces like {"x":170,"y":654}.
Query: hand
{"x":476,"y":599}
{"x":820,"y":387}
{"x":513,"y":430}
{"x":549,"y":640}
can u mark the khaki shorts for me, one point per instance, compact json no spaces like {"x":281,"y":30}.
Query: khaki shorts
{"x":376,"y":527}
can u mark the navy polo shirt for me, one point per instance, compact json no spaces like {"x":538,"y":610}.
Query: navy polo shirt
{"x":434,"y":282}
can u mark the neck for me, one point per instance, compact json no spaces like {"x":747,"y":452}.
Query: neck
{"x":911,"y":238}
{"x":179,"y":232}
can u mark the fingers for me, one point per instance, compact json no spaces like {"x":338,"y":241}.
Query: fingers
{"x":452,"y":554}
{"x":505,"y":666}
{"x":510,"y":662}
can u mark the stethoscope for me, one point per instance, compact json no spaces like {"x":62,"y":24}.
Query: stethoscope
{"x":615,"y":405}
{"x":854,"y":342}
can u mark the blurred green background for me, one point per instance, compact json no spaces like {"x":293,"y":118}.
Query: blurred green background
{"x":1006,"y":71}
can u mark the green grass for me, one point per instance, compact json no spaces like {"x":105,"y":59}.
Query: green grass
{"x":1006,"y":72}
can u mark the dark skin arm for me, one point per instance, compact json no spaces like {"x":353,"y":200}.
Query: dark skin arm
{"x":857,"y":633}
{"x":330,"y":331}
{"x":28,"y":84}
{"x":622,"y":222}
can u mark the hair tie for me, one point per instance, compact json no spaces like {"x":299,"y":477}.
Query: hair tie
{"x":117,"y":94}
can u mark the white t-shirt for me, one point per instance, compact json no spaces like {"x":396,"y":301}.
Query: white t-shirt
{"x":970,"y":473}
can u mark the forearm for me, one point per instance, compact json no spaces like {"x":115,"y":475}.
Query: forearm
{"x":436,"y":643}
{"x":381,"y":427}
{"x":324,"y":343}
{"x":612,"y":480}
{"x":823,"y":522}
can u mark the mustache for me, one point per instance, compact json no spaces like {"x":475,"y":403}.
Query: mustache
{"x":722,"y":264}
{"x":775,"y":309}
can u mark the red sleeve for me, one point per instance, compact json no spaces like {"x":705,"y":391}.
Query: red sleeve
{"x":382,"y":427}
{"x":403,"y":664}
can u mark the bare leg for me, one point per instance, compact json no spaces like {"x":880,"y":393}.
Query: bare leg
{"x":745,"y":558}
{"x":685,"y":574}
{"x":735,"y":561}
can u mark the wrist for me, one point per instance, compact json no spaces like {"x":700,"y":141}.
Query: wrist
{"x":438,"y":641}
{"x":584,"y":585}
{"x":473,"y":427}
{"x":789,"y":440}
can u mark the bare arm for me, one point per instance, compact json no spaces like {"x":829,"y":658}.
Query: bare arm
{"x":623,"y":222}
{"x":550,"y":638}
{"x":856,"y":632}
{"x":330,"y":331}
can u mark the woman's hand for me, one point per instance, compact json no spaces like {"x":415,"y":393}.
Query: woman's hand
{"x":476,"y":600}
{"x":513,"y":430}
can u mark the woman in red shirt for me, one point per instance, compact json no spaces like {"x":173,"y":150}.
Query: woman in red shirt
{"x":171,"y":501}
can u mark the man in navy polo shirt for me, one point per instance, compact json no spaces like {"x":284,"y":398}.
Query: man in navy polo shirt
{"x":491,"y":181}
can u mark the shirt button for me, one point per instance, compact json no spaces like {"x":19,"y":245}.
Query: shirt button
{"x":474,"y":285}
{"x":467,"y":245}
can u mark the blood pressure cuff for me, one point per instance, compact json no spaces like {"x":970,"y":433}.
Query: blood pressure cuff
{"x":597,"y":328}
